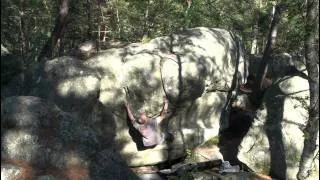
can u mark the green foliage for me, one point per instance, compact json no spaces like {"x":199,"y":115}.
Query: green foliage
{"x":211,"y":142}
{"x":292,"y":32}
{"x":26,"y":26}
{"x":191,"y":156}
{"x":145,"y":39}
{"x":186,"y":176}
{"x":140,"y":21}
{"x":302,"y":102}
{"x":265,"y":168}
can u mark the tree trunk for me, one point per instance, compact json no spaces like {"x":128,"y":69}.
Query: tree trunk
{"x":257,"y":95}
{"x":57,"y":33}
{"x":146,"y":31}
{"x":312,"y":128}
{"x":61,"y":47}
{"x":100,"y":21}
{"x":186,"y":18}
{"x":268,"y":51}
{"x":88,"y":9}
{"x":23,"y":46}
{"x":118,"y":20}
{"x":255,"y":31}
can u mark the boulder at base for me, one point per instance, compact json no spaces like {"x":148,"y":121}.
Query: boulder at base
{"x":275,"y":141}
{"x":38,"y":140}
{"x":195,"y":69}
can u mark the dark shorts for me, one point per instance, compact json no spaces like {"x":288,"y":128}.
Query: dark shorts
{"x":168,"y":136}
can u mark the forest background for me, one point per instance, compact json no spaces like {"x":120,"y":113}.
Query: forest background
{"x":33,"y":31}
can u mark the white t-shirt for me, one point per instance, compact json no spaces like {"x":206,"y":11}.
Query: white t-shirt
{"x":151,"y":134}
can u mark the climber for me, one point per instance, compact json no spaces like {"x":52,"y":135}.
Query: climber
{"x":255,"y":97}
{"x":149,"y":128}
{"x":247,"y":87}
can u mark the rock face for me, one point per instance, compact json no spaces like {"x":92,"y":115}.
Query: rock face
{"x":275,"y":141}
{"x":85,"y":50}
{"x":89,"y":134}
{"x":40,"y":140}
{"x":195,"y":69}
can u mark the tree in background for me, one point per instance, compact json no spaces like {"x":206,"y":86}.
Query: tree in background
{"x":58,"y":30}
{"x":33,"y":27}
{"x":312,"y":64}
{"x":257,"y":95}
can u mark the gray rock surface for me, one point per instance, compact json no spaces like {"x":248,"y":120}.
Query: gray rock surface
{"x":88,"y":134}
{"x":9,"y":171}
{"x":194,"y":69}
{"x":37,"y":134}
{"x":4,"y":50}
{"x":275,"y":141}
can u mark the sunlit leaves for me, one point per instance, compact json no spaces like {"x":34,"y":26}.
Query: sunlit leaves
{"x":126,"y":20}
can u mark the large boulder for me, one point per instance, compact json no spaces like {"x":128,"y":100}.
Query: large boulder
{"x":40,"y":140}
{"x":85,"y":50}
{"x":10,"y":67}
{"x":275,"y":141}
{"x":195,"y":69}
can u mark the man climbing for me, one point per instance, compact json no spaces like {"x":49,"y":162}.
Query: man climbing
{"x":149,"y":127}
{"x":248,"y":87}
{"x":255,"y":97}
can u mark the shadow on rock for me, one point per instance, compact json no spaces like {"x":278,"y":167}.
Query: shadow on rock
{"x":229,"y":139}
{"x":39,"y":140}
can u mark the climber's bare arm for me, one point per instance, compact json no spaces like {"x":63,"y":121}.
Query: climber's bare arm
{"x":130,"y":115}
{"x":164,"y":110}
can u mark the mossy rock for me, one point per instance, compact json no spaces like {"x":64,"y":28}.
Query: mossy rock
{"x":211,"y":142}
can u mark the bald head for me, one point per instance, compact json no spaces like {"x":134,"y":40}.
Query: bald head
{"x":143,"y":118}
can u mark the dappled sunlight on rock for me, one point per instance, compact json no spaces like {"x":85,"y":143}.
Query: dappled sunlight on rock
{"x":80,"y":87}
{"x":72,"y":158}
{"x":55,"y":144}
{"x":275,"y":141}
{"x":149,"y":156}
{"x":254,"y":150}
{"x":20,"y":144}
{"x":194,"y":69}
{"x":296,"y":111}
{"x":294,"y":85}
{"x":9,"y":171}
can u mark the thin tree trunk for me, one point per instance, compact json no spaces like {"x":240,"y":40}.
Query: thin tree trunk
{"x":104,"y":38}
{"x":256,"y":97}
{"x":23,"y":45}
{"x":118,"y":20}
{"x":146,"y":30}
{"x":189,"y":2}
{"x":312,"y":128}
{"x":61,"y":47}
{"x":268,"y":51}
{"x":88,"y":9}
{"x":255,"y":31}
{"x":57,"y":33}
{"x":101,"y":19}
{"x":23,"y":55}
{"x":188,"y":7}
{"x":22,"y":38}
{"x":99,"y":37}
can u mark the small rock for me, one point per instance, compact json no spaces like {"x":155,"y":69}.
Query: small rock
{"x":152,"y":176}
{"x":47,"y":177}
{"x":9,"y":172}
